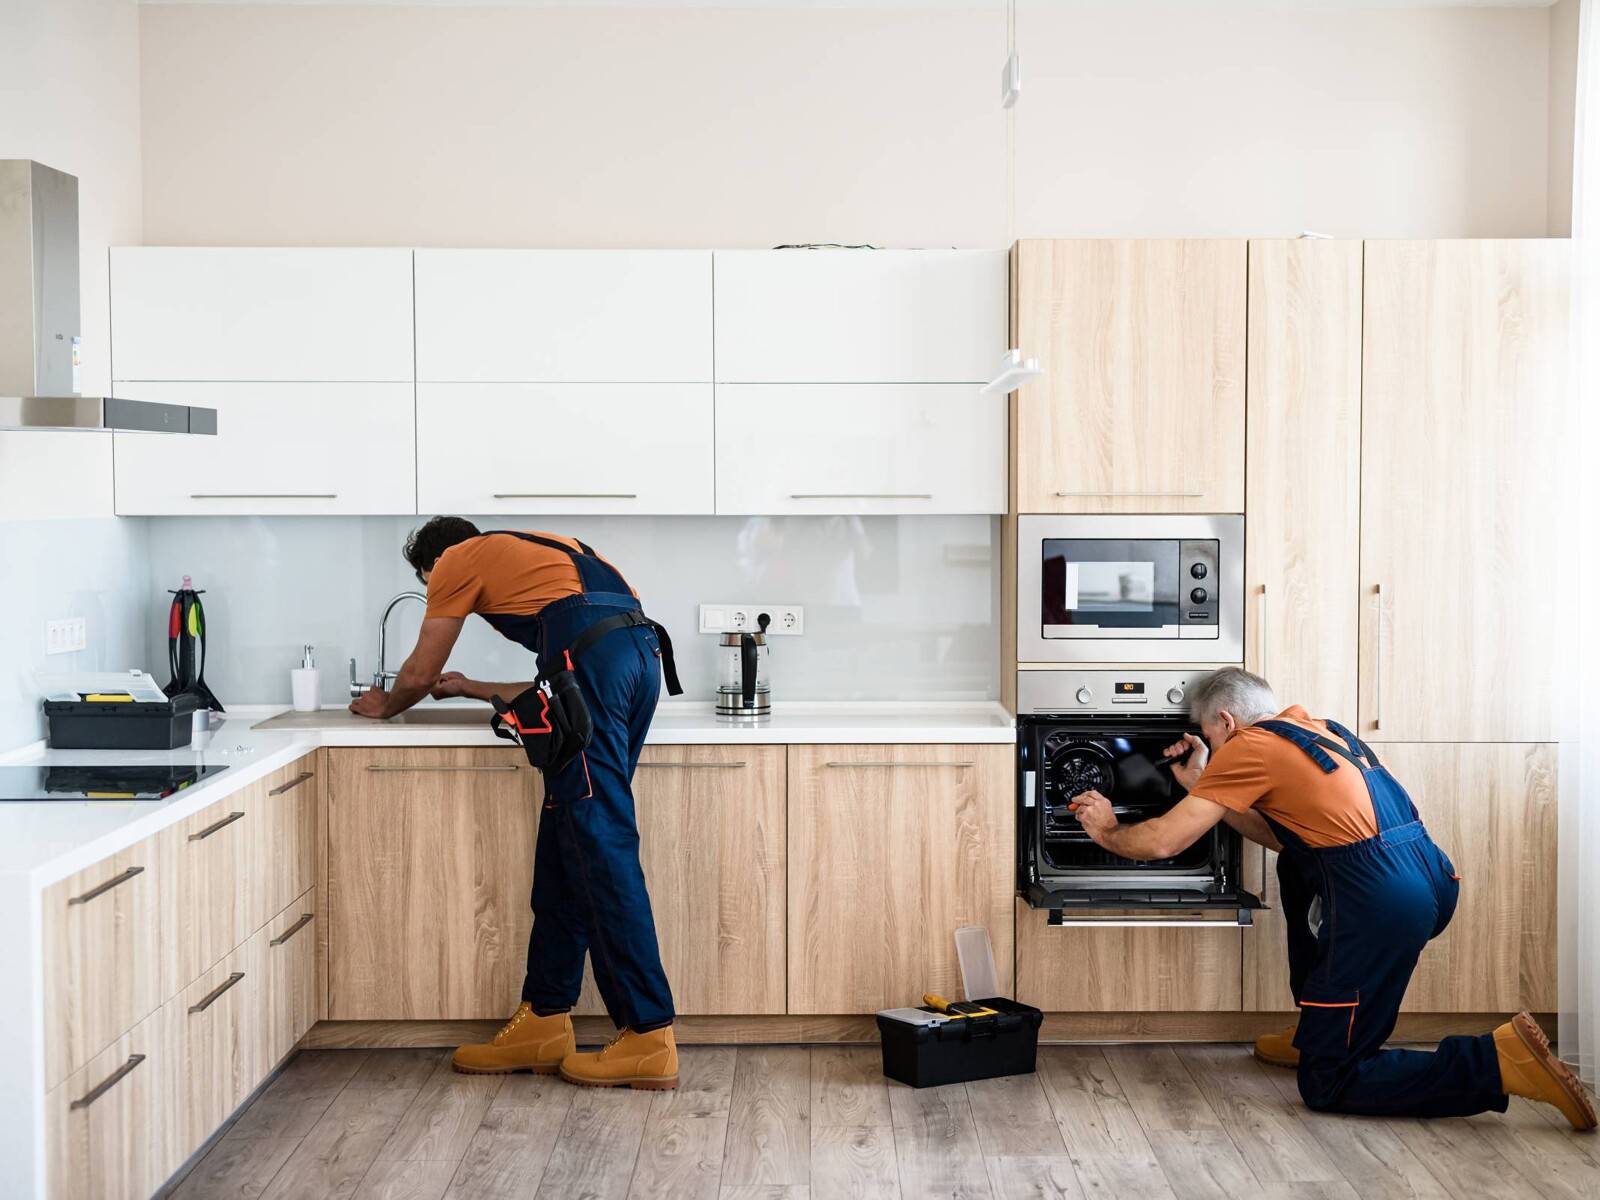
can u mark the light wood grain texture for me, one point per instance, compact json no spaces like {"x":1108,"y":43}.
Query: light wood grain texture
{"x":429,"y":872}
{"x":222,"y":1044}
{"x":336,"y":1155}
{"x":216,"y":864}
{"x":1143,"y":349}
{"x":1008,"y":608}
{"x":236,"y":1169}
{"x":320,"y":761}
{"x":410,"y":1179}
{"x":1491,"y":809}
{"x":507,"y":1156}
{"x":1013,"y":1117}
{"x":598,"y":1147}
{"x":1118,"y":970}
{"x":1040,"y":1178}
{"x":1202,"y":1164}
{"x":291,"y":976}
{"x":889,"y":852}
{"x":398,"y":1068}
{"x":289,"y":848}
{"x":712,"y":844}
{"x":854,"y":1160}
{"x":936,"y":1143}
{"x":680,"y":1156}
{"x":1160,"y":1090}
{"x":1266,"y":956}
{"x":119,"y":1141}
{"x":1266,"y":1127}
{"x":1464,"y":369}
{"x":848,"y":1087}
{"x":769,"y":1134}
{"x":443,"y":1118}
{"x":1303,"y":477}
{"x":1465,"y":1163}
{"x":103,"y":944}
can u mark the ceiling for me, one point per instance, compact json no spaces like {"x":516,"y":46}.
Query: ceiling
{"x":1285,"y":5}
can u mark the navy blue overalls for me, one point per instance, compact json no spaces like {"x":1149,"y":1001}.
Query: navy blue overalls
{"x":1382,"y":900}
{"x":588,"y":888}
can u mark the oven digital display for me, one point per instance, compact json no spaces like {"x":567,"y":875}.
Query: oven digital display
{"x":1130,"y":689}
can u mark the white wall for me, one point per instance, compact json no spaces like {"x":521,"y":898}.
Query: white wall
{"x":896,"y":607}
{"x":1563,"y":112}
{"x":454,"y":125}
{"x":69,"y":97}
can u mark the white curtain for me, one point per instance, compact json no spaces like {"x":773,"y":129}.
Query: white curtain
{"x":1579,"y":677}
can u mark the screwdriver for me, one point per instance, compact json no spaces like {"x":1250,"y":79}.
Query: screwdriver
{"x":958,"y":1009}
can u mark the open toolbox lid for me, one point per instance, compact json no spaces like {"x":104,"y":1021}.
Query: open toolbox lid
{"x":1154,"y":900}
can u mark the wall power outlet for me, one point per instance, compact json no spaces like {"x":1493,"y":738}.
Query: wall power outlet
{"x":66,"y":636}
{"x":787,"y":619}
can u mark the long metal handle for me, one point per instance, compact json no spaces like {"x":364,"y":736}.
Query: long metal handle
{"x":891,"y":763}
{"x":566,"y":495}
{"x":415,"y":770}
{"x":305,"y":919}
{"x":1261,"y":658}
{"x":102,"y":889}
{"x":1182,"y":495}
{"x":263,"y":495}
{"x":1377,"y":666}
{"x":1137,"y":923}
{"x":106,"y":1084}
{"x":695,"y":766}
{"x":861,"y":495}
{"x":212,"y":828}
{"x":215,"y":993}
{"x":293,"y":783}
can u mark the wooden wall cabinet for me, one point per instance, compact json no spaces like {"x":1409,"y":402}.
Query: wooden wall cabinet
{"x":891,"y":849}
{"x":1462,"y":608}
{"x":1141,"y":407}
{"x":1303,"y":478}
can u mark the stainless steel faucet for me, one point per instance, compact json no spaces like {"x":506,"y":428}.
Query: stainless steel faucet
{"x":382,"y":675}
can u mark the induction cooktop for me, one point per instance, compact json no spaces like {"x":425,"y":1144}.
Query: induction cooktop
{"x":110,"y":781}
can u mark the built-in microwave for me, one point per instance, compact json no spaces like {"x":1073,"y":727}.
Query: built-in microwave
{"x":1129,"y":589}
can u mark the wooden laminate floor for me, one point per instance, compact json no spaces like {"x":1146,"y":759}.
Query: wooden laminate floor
{"x":1151,"y":1122}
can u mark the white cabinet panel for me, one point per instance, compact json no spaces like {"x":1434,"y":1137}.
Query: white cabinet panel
{"x":862,"y":448}
{"x":563,"y":316}
{"x":55,"y":473}
{"x":260,"y":314}
{"x":290,"y":448}
{"x":860,"y":316}
{"x":564,"y":448}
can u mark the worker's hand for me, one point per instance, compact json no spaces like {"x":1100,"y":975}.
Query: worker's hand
{"x":1094,"y":813}
{"x":371,"y":703}
{"x":449,"y":685}
{"x":1188,"y":773}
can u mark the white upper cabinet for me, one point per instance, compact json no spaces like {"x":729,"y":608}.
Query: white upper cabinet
{"x":860,"y":316}
{"x":563,"y":316}
{"x":261,"y":315}
{"x":860,"y":448}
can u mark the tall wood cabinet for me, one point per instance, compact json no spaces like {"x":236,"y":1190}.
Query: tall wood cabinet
{"x":1464,"y":366}
{"x":1141,"y":407}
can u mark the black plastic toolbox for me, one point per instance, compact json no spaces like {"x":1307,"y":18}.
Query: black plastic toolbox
{"x":121,"y":724}
{"x":963,"y":1050}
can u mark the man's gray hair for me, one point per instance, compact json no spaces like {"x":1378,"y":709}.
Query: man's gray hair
{"x":1232,"y":689}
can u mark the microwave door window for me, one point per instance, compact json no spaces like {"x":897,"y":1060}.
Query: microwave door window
{"x":1094,"y":585}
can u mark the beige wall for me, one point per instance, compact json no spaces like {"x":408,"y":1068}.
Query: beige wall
{"x":596,"y":126}
{"x":1563,"y":111}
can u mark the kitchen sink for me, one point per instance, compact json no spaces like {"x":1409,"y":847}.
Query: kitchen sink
{"x":426,"y":716}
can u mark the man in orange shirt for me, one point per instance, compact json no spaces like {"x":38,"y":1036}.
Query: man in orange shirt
{"x":1365,"y":889}
{"x":564,"y":602}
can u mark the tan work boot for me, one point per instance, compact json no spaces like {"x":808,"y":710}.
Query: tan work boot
{"x":1527,"y":1068}
{"x":526,"y":1043}
{"x":1278,"y":1049}
{"x":637,"y":1060}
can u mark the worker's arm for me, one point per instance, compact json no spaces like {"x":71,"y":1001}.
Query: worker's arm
{"x":1173,"y":832}
{"x":419,"y":673}
{"x":453,"y":683}
{"x":1253,"y":826}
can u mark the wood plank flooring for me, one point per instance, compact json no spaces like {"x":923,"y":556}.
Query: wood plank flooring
{"x":1141,"y":1122}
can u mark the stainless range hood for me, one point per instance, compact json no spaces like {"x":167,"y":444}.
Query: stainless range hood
{"x":39,"y":317}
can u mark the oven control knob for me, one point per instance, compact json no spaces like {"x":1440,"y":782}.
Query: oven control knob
{"x":1084,"y":695}
{"x":1198,"y":570}
{"x":1198,"y":595}
{"x":1174,"y":695}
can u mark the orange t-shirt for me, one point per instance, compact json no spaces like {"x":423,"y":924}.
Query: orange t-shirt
{"x":1258,"y":769}
{"x":499,"y":573}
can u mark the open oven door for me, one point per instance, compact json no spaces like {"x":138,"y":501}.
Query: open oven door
{"x":1167,"y":907}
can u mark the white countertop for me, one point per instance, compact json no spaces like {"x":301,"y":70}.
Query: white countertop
{"x":49,"y":840}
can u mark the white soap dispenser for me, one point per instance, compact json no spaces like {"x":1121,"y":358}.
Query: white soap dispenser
{"x":304,"y":683}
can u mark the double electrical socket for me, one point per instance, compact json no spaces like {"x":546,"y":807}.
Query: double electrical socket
{"x":742,"y":618}
{"x":63,"y":637}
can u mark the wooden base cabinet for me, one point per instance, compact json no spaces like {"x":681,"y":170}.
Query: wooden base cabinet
{"x":218,"y":1031}
{"x":289,"y":960}
{"x":217,"y":864}
{"x":891,"y":849}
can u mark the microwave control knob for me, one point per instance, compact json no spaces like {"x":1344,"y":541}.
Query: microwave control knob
{"x":1198,"y":570}
{"x":1174,"y":695}
{"x":1198,"y":595}
{"x":1084,"y":695}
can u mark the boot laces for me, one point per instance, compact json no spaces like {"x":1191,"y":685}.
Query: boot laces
{"x":516,"y":1019}
{"x":615,"y":1040}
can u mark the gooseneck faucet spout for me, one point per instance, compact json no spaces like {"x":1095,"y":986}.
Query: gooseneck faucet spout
{"x":383,"y":675}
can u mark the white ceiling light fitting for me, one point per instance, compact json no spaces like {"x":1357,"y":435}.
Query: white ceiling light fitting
{"x":1014,"y":372}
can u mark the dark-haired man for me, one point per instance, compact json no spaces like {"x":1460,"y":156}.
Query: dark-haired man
{"x":544,"y":592}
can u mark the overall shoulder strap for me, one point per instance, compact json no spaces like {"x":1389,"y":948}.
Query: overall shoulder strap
{"x":1317,"y":748}
{"x":537,"y":540}
{"x":1357,"y":746}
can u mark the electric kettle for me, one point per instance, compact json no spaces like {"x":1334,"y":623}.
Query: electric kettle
{"x":745,"y":689}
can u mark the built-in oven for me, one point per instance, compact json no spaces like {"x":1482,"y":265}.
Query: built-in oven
{"x":1114,"y":589}
{"x":1108,"y":731}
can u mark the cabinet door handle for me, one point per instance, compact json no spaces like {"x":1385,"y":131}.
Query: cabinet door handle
{"x":694,"y":766}
{"x":293,"y":783}
{"x":1261,"y":657}
{"x":1377,"y":659}
{"x":305,"y":919}
{"x":892,"y":763}
{"x":1113,"y":495}
{"x":214,"y":826}
{"x":263,"y":495}
{"x":566,"y":495}
{"x":102,"y":889}
{"x":1140,"y":923}
{"x":106,"y":1084}
{"x":212,"y":996}
{"x":414,"y":770}
{"x":861,"y":495}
